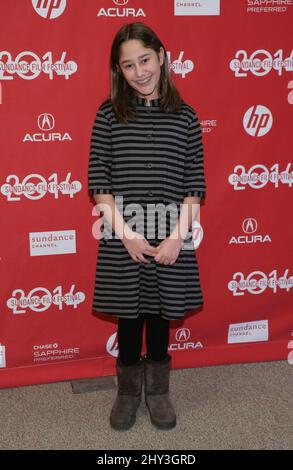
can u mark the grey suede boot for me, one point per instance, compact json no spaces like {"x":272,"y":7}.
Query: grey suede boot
{"x":157,"y":377}
{"x":130,"y":378}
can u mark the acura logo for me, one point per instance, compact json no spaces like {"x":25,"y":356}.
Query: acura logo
{"x":183,"y":334}
{"x":182,"y":344}
{"x":120,"y":2}
{"x":249,"y":225}
{"x":46,"y":122}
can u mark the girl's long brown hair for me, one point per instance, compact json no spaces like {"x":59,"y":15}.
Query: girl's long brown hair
{"x":121,"y":93}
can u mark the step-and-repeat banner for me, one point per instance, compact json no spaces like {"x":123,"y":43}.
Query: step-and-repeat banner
{"x":232,"y":61}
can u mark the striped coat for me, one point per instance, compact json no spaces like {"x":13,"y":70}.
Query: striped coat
{"x":156,"y":159}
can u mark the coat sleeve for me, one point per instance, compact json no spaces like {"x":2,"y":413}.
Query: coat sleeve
{"x":100,"y":159}
{"x":194,"y":176}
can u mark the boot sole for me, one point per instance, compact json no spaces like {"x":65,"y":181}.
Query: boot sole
{"x":162,"y":426}
{"x":122,"y":427}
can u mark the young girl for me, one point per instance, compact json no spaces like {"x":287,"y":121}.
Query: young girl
{"x":146,"y":152}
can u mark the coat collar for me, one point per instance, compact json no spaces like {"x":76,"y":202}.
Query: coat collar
{"x":143,"y":101}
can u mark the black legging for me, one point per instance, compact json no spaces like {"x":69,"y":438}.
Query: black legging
{"x":130,"y":338}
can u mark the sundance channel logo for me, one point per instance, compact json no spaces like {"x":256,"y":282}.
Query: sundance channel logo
{"x":248,"y":332}
{"x":196,"y":8}
{"x":52,"y":243}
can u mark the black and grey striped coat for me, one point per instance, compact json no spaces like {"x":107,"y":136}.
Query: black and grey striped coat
{"x":156,"y":159}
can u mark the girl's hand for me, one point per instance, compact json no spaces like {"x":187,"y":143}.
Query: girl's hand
{"x":169,"y":250}
{"x":138,"y":245}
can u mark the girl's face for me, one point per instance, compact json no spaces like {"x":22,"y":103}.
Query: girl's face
{"x":140,"y":67}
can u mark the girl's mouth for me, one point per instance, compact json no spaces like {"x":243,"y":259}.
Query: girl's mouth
{"x":144,"y":82}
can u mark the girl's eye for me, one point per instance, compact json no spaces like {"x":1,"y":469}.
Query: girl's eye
{"x":130,"y":65}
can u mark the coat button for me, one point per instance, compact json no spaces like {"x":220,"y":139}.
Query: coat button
{"x":150,"y":193}
{"x":149,"y":165}
{"x":149,"y":136}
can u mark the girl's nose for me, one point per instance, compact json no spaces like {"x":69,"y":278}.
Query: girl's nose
{"x":139,"y":71}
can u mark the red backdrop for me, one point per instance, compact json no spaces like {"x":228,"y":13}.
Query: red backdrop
{"x":233,"y":62}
